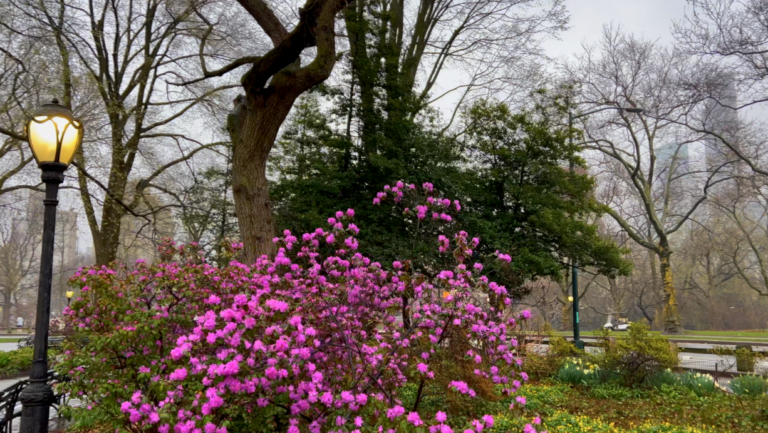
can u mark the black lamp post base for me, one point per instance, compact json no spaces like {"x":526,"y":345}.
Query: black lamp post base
{"x":579,"y":344}
{"x":36,"y":400}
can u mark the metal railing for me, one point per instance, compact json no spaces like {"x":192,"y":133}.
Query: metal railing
{"x":10,"y":408}
{"x":29,"y":341}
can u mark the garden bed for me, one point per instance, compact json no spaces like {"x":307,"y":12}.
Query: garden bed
{"x":612,"y":408}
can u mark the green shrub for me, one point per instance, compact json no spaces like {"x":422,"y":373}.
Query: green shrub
{"x":749,"y":385}
{"x":638,"y":356}
{"x":700,"y":384}
{"x":577,"y":372}
{"x":663,"y":378}
{"x":15,"y":361}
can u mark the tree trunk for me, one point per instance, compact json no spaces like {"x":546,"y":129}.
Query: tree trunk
{"x":670,"y":314}
{"x":253,"y":126}
{"x":272,"y":84}
{"x":565,"y":319}
{"x":108,"y":243}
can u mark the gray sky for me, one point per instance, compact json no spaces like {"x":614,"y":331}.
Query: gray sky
{"x":650,"y":18}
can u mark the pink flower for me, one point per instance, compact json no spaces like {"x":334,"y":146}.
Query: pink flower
{"x":441,"y":416}
{"x":395,"y":412}
{"x":414,"y":419}
{"x":178,"y":374}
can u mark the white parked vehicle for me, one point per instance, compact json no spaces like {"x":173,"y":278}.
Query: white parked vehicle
{"x":620,"y":324}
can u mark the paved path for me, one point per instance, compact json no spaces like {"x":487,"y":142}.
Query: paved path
{"x":7,"y":347}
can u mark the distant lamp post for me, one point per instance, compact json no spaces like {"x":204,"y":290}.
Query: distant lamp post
{"x":574,"y":266}
{"x":69,"y":295}
{"x":54,"y":135}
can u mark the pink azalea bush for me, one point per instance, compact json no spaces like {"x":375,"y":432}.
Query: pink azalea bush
{"x":319,"y":338}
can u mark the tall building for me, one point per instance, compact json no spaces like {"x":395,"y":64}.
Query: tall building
{"x":673,"y":162}
{"x":721,"y":118}
{"x":672,"y":157}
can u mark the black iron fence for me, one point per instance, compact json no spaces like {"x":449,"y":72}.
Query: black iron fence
{"x":10,"y":408}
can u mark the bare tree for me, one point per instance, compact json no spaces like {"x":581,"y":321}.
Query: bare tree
{"x":20,"y":237}
{"x":651,"y":191}
{"x":706,"y":268}
{"x":492,"y":47}
{"x":23,"y":76}
{"x":117,"y":63}
{"x":730,"y":39}
{"x":743,"y":212}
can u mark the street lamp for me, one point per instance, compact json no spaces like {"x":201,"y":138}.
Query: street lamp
{"x":69,"y":295}
{"x":54,"y":135}
{"x":574,"y":266}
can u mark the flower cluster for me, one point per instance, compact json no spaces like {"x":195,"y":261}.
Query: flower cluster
{"x":308,"y":340}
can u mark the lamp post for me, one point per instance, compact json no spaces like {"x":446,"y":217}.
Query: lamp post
{"x":54,"y":135}
{"x":574,"y":266}
{"x":69,"y":295}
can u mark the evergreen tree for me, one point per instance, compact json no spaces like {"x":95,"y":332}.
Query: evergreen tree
{"x":510,"y":172}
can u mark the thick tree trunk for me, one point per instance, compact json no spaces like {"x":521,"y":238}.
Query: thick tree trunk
{"x":671,"y":316}
{"x":108,"y":243}
{"x":271,"y":86}
{"x":253,"y":126}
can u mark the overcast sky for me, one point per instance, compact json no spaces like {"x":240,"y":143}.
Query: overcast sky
{"x":650,"y":18}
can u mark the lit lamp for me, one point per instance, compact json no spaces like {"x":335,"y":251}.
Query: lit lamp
{"x":69,"y":295}
{"x":570,"y":299}
{"x":54,"y":135}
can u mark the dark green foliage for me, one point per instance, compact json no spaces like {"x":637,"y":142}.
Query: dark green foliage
{"x":510,"y":172}
{"x":15,"y":361}
{"x":318,"y":169}
{"x":528,"y":192}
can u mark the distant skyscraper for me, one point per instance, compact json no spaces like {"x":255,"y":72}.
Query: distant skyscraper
{"x":721,"y":118}
{"x":665,"y":154}
{"x":673,"y":161}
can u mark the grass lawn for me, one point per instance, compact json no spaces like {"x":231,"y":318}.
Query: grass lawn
{"x":615,"y":409}
{"x":756,"y":334}
{"x":10,"y":340}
